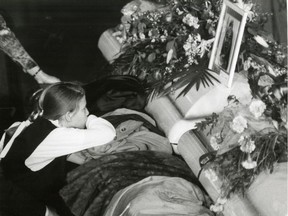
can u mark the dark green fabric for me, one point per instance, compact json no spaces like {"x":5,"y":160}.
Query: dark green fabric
{"x":92,"y":185}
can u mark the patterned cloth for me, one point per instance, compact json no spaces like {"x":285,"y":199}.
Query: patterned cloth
{"x":92,"y":185}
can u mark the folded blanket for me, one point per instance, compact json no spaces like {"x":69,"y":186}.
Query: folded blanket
{"x":91,"y":186}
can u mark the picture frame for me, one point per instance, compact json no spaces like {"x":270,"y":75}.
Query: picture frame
{"x":227,"y":42}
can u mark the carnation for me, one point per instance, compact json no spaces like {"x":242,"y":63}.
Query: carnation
{"x":246,"y":144}
{"x":249,"y":163}
{"x":221,"y":200}
{"x":216,"y":208}
{"x":239,"y":124}
{"x":210,"y":174}
{"x":213,"y":143}
{"x":257,"y":108}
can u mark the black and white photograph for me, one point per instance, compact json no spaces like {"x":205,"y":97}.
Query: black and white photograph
{"x":228,"y":39}
{"x":137,"y":108}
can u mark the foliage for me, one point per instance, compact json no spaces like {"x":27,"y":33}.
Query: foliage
{"x":167,"y":44}
{"x":246,"y":141}
{"x":168,"y":47}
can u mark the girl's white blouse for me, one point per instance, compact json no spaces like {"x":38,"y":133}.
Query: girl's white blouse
{"x":64,"y":141}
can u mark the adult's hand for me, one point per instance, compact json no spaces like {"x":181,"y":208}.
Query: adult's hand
{"x":43,"y":78}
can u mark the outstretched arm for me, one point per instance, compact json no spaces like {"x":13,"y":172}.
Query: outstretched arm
{"x":64,"y":141}
{"x":10,"y":45}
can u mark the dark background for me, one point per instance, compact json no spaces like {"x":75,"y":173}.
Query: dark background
{"x":62,"y":37}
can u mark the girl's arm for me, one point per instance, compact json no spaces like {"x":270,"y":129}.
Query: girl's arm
{"x":64,"y":141}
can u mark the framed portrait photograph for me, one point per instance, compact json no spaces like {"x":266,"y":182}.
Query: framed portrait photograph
{"x":227,"y":41}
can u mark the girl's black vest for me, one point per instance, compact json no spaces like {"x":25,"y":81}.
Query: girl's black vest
{"x":39,"y":183}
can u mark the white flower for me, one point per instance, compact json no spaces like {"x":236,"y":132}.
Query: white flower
{"x":169,"y":17}
{"x":150,"y":33}
{"x":204,"y":46}
{"x":249,"y":163}
{"x":187,"y":46}
{"x":246,"y":144}
{"x":219,"y":205}
{"x":120,"y":40}
{"x":247,"y":63}
{"x":163,"y":38}
{"x":211,"y":175}
{"x":214,"y":143}
{"x":216,"y":208}
{"x":142,"y":36}
{"x":239,"y":124}
{"x":271,"y":70}
{"x":179,"y":12}
{"x":244,"y":6}
{"x":191,"y":21}
{"x":4,"y":32}
{"x":260,"y":40}
{"x":221,"y":200}
{"x":165,"y":33}
{"x":257,"y":107}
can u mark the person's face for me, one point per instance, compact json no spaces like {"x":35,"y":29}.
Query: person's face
{"x":78,"y":118}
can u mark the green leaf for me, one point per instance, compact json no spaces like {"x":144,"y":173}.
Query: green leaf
{"x":170,"y":45}
{"x":141,"y":27}
{"x":151,"y":57}
{"x":252,"y":31}
{"x":196,"y":78}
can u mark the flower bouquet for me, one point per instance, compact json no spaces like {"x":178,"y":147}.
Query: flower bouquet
{"x":167,"y":47}
{"x":246,"y":142}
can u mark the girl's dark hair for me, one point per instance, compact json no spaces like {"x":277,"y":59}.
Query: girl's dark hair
{"x":60,"y":98}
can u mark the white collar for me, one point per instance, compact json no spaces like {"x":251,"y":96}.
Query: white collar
{"x":55,"y":122}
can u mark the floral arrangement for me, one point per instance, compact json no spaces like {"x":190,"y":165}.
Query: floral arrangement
{"x":167,"y":45}
{"x":246,"y":142}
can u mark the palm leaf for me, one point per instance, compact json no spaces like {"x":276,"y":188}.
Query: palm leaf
{"x":205,"y":77}
{"x":187,"y":79}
